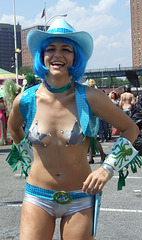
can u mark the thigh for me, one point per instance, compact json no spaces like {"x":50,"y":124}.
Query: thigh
{"x":78,"y":226}
{"x":36,"y":223}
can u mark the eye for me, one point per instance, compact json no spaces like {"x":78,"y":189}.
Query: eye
{"x":49,"y":50}
{"x":67,"y":50}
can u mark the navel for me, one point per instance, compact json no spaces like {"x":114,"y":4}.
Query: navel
{"x":57,"y":174}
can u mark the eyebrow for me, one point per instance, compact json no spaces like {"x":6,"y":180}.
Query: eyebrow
{"x":64,"y":45}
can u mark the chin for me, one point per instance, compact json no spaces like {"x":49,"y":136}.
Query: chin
{"x":58,"y":73}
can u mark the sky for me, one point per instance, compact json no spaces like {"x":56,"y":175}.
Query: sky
{"x":108,"y":22}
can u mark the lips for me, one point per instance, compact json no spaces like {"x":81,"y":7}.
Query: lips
{"x":57,"y":63}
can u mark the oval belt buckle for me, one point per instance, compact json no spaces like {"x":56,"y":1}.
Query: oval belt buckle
{"x":62,"y":197}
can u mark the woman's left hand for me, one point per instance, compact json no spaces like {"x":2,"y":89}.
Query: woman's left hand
{"x":95,"y":181}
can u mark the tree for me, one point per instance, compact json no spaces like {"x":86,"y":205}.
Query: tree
{"x":114,"y":82}
{"x":140,"y":80}
{"x":25,"y":70}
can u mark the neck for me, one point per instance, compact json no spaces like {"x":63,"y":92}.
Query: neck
{"x":58,"y":90}
{"x":58,"y":84}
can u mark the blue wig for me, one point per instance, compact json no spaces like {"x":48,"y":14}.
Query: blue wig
{"x":76,"y":71}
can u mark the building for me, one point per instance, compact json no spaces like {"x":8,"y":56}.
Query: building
{"x":7,"y":46}
{"x":136,"y":31}
{"x":27,"y":59}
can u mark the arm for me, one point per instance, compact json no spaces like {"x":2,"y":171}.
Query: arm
{"x":121,"y":102}
{"x":15,"y":122}
{"x":105,"y":109}
{"x":133,"y":100}
{"x":21,"y":153}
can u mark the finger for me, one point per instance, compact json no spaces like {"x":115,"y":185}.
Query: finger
{"x":93,"y":185}
{"x":86,"y":184}
{"x":97,"y":188}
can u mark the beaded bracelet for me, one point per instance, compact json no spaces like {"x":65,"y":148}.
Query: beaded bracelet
{"x":108,"y":169}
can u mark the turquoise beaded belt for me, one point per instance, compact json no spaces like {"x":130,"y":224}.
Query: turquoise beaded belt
{"x":60,"y":197}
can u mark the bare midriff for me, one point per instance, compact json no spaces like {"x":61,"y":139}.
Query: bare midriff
{"x":58,"y":172}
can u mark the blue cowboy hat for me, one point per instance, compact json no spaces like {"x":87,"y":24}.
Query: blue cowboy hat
{"x":60,"y":28}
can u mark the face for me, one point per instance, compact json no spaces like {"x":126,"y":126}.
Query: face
{"x":58,"y":57}
{"x":1,"y":100}
{"x":112,"y":95}
{"x":91,"y":83}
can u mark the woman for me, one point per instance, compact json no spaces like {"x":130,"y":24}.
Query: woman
{"x":3,"y":121}
{"x":114,"y":98}
{"x":91,"y":83}
{"x":60,"y":182}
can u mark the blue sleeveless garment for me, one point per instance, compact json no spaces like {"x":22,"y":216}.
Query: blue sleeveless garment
{"x":88,"y":121}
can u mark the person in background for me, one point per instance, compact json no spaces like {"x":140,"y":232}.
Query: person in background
{"x":127,"y":100}
{"x":91,"y":83}
{"x":114,"y":98}
{"x":60,"y":115}
{"x":3,"y":120}
{"x":103,"y":128}
{"x":137,"y":98}
{"x":136,"y":116}
{"x":10,"y":92}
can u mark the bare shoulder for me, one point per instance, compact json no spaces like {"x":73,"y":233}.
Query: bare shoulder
{"x":93,"y":94}
{"x":97,"y":99}
{"x":123,"y":94}
{"x":17,"y":100}
{"x":15,"y":108}
{"x":132,"y":94}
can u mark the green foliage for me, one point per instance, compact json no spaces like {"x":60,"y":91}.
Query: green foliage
{"x":25,"y":70}
{"x":30,"y":78}
{"x":140,"y":80}
{"x":114,"y":82}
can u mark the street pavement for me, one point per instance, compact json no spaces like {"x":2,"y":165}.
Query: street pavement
{"x":120,"y":215}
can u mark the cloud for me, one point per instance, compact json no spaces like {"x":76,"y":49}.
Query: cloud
{"x":79,"y":16}
{"x":103,"y":6}
{"x":112,"y":51}
{"x":114,"y":45}
{"x":101,"y":41}
{"x":110,"y":31}
{"x":9,"y":19}
{"x":127,"y":3}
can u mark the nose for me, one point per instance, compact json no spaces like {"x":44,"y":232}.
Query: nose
{"x":58,"y":53}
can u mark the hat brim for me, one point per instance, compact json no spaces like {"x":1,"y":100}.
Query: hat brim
{"x":83,"y":39}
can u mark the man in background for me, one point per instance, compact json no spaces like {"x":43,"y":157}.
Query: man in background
{"x":127,"y":100}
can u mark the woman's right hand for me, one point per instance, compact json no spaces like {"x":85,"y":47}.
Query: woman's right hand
{"x":95,"y":181}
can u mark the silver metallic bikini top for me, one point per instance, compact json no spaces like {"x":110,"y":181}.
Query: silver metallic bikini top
{"x":75,"y":136}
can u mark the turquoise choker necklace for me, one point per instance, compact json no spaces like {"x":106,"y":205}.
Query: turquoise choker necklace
{"x":58,"y":90}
